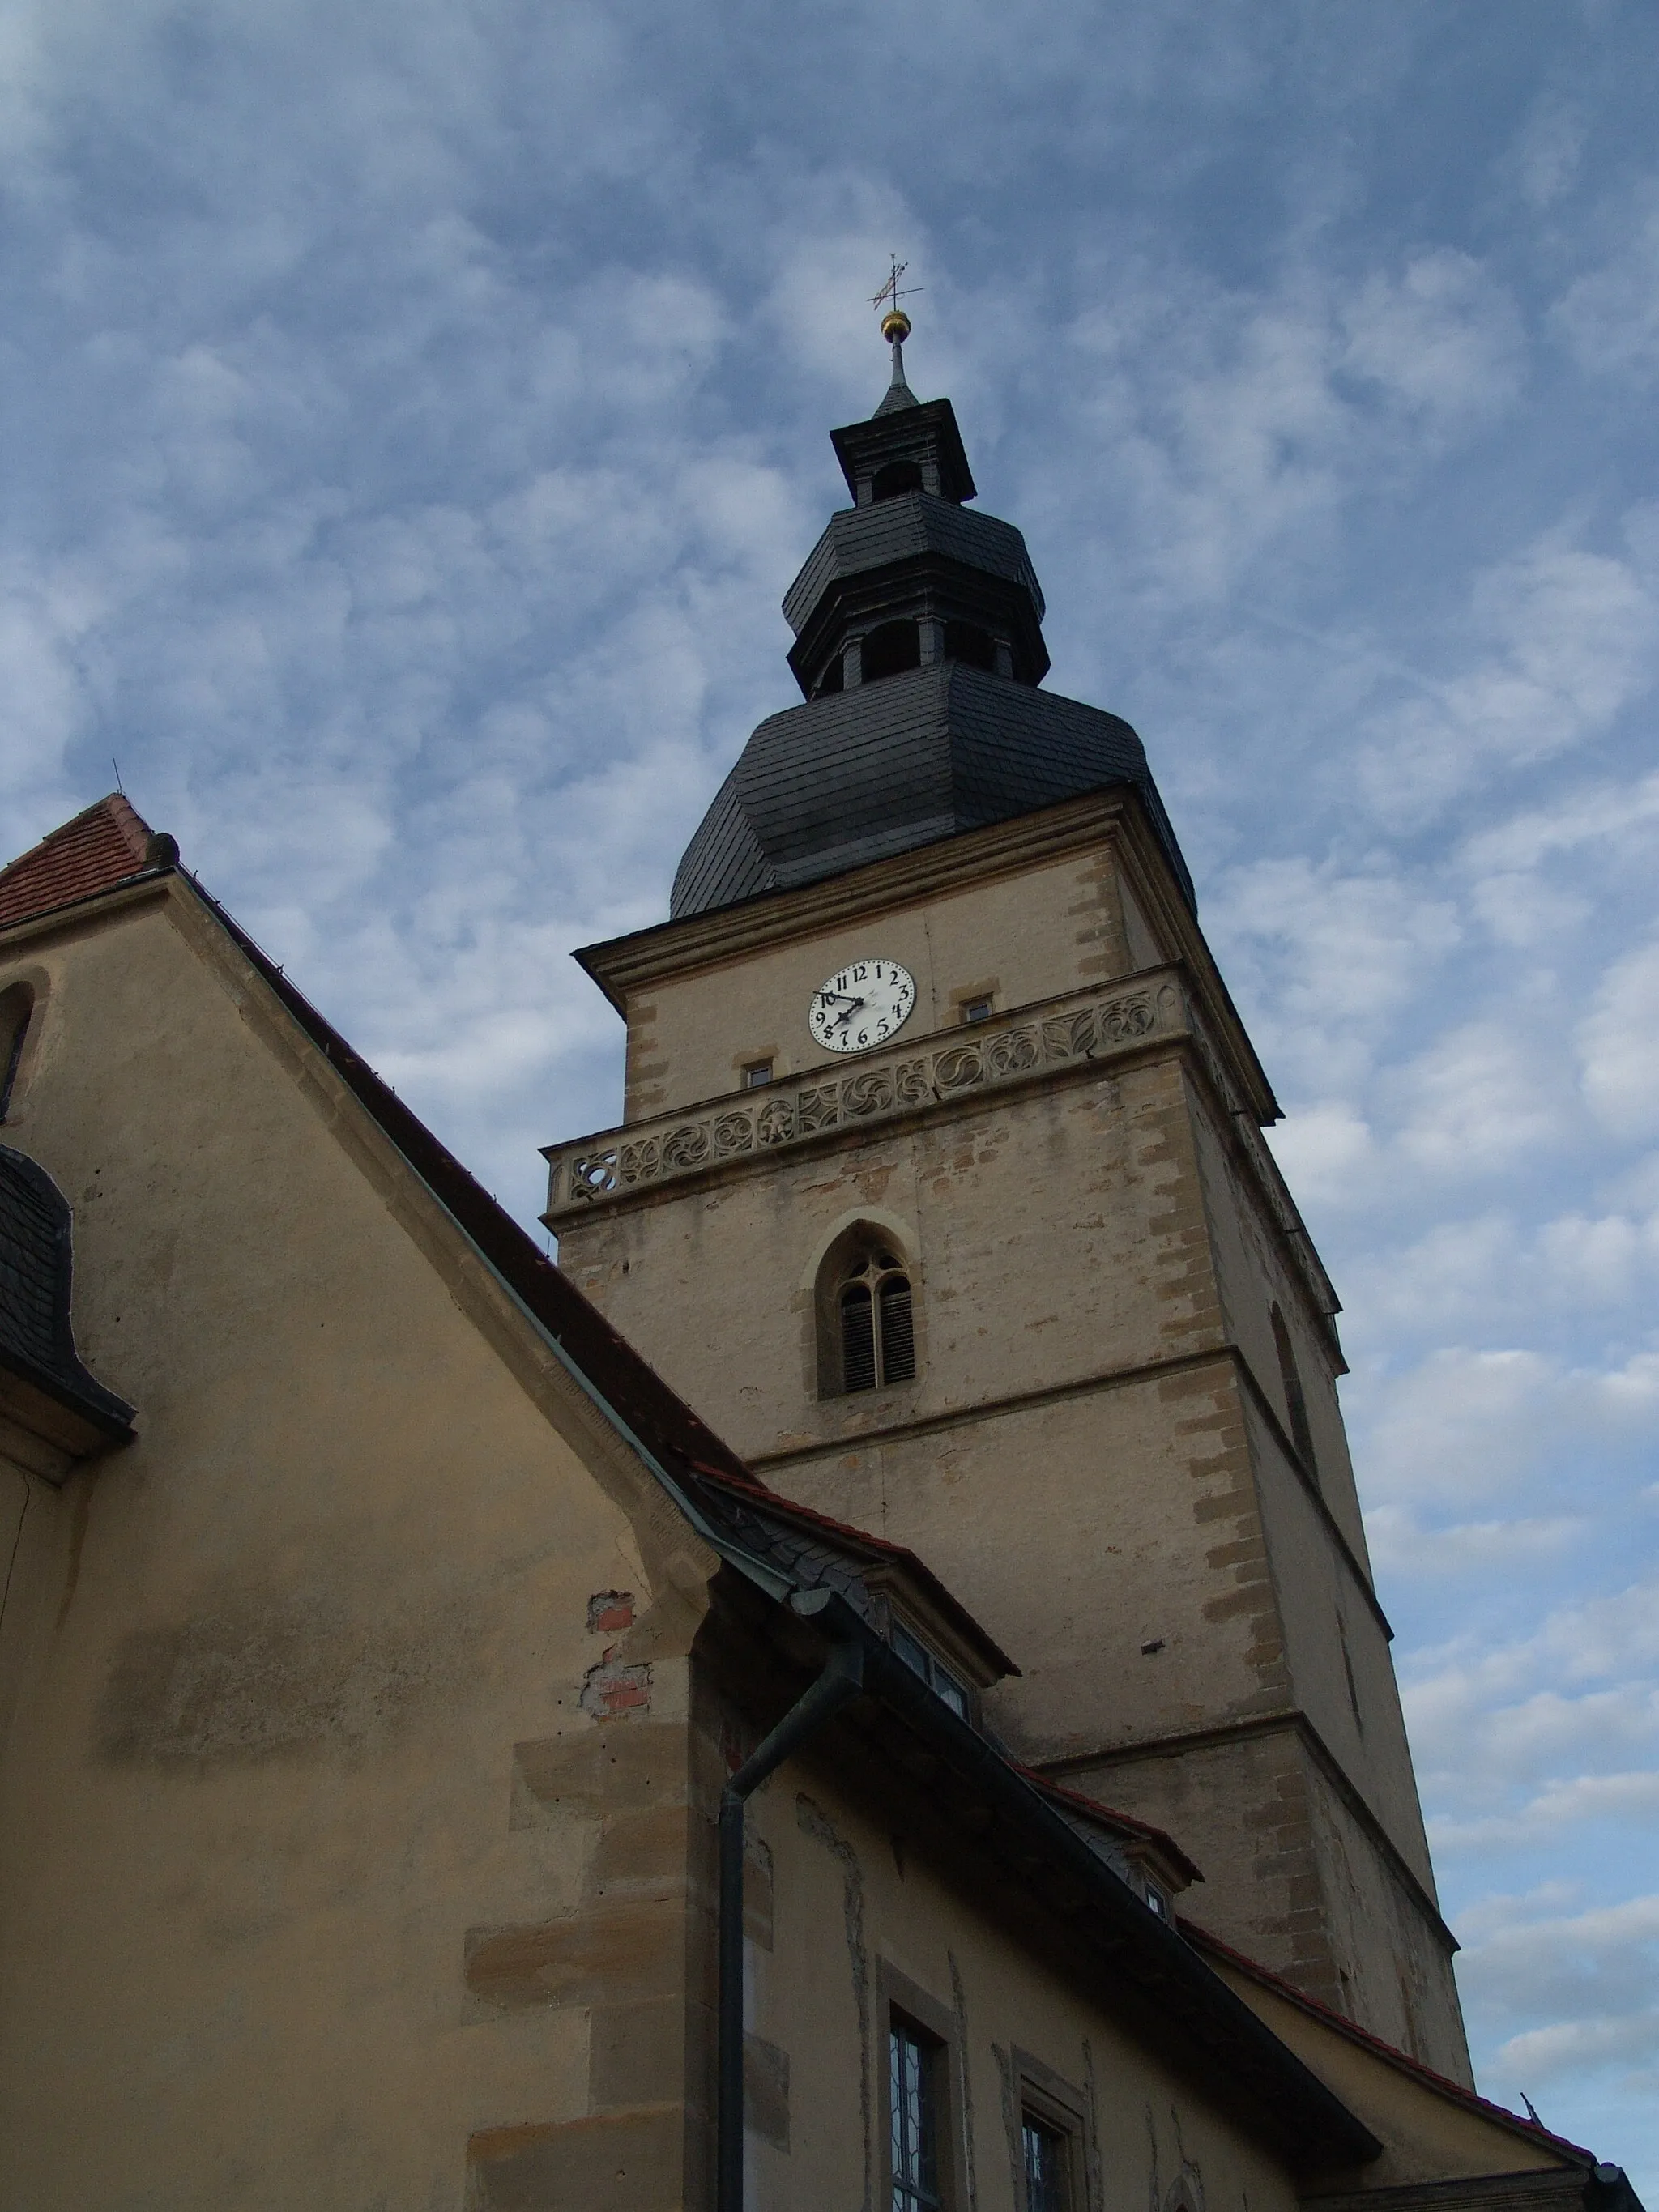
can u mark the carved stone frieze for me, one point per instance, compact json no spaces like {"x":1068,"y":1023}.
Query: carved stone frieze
{"x":1094,"y":1025}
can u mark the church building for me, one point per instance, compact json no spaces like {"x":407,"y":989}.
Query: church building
{"x":857,"y":1687}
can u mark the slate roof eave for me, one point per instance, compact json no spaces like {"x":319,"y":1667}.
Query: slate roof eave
{"x":1533,"y":2131}
{"x":826,"y":786}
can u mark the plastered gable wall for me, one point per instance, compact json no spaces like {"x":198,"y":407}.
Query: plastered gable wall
{"x":288,"y":1917}
{"x":860,"y":1918}
{"x":1016,"y":937}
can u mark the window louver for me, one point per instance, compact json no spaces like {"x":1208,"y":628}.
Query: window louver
{"x":858,"y":1338}
{"x":898,"y":1338}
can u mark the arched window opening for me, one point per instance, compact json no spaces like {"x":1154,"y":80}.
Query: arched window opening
{"x":891,"y":649}
{"x":871,"y":1340}
{"x":1347,"y":1669}
{"x":16,"y":1005}
{"x":895,"y":479}
{"x":967,"y":641}
{"x":1296,"y":1402}
{"x":834,"y":677}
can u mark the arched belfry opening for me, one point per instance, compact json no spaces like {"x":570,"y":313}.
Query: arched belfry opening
{"x":895,"y":479}
{"x":865,"y":1302}
{"x":892,"y":648}
{"x":1296,"y":1402}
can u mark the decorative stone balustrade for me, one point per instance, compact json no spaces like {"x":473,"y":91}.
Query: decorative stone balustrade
{"x":1101,"y":1024}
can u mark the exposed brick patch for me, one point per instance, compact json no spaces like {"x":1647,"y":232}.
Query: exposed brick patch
{"x":609,"y":1612}
{"x":609,"y":1689}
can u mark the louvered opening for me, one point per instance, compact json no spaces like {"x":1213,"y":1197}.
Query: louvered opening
{"x":891,"y":650}
{"x":895,"y":479}
{"x":1296,"y":1403}
{"x":898,"y":1336}
{"x":858,"y":1338}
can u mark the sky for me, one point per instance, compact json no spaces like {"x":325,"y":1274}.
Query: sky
{"x":414,"y":414}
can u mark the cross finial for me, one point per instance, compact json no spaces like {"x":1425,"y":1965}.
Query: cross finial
{"x":894,"y":323}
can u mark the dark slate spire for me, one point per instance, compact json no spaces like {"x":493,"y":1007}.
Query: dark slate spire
{"x":895,"y":328}
{"x":918,"y":650}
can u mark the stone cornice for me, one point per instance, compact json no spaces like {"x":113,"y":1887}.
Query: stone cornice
{"x":625,"y":966}
{"x":1053,"y":1041}
{"x":829,"y":1105}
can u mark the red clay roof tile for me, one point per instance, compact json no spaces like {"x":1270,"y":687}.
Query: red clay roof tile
{"x":97,"y":850}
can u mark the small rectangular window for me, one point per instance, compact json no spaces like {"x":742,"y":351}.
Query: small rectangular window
{"x":1047,"y":2156}
{"x":1157,"y":1901}
{"x":938,"y":1678}
{"x":976,"y":1010}
{"x":913,"y":2105}
{"x":950,"y":1691}
{"x":757,"y":1072}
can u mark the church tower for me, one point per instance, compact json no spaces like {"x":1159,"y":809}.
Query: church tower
{"x":940,"y":1192}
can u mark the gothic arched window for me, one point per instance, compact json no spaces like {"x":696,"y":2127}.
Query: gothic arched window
{"x":16,"y":1005}
{"x":1296,"y":1403}
{"x":866,"y":1320}
{"x":895,"y":479}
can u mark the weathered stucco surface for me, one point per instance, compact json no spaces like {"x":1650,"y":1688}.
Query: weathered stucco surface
{"x":860,"y":1917}
{"x":289,"y":1912}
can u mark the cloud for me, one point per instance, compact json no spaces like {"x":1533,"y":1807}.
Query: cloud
{"x":1543,"y":1727}
{"x":1585,"y":1977}
{"x":1609,"y":317}
{"x":1401,"y":1545}
{"x":1564,"y":639}
{"x":1442,"y":338}
{"x":1474,"y":1102}
{"x":1618,"y":1045}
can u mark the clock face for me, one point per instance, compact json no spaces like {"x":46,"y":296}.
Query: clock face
{"x":861,"y":1005}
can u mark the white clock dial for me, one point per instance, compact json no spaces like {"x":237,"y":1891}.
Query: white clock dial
{"x":861,"y":1005}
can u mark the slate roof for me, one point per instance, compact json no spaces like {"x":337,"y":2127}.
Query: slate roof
{"x":860,"y":538}
{"x":1088,"y":1815}
{"x":1471,"y":2100}
{"x":819,"y":1553}
{"x":890,"y":766}
{"x":36,"y":1340}
{"x":98,"y":849}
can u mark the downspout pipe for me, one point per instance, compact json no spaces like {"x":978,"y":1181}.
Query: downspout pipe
{"x":841,"y":1680}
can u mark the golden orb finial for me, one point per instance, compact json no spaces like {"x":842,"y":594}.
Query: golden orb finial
{"x":896,"y":325}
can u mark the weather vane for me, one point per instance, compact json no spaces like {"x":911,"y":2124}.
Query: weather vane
{"x":895,"y":324}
